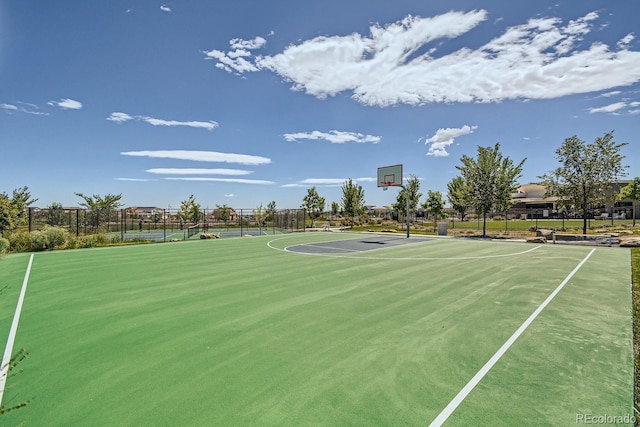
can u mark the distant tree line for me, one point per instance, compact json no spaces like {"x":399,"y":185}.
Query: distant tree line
{"x":485,"y":184}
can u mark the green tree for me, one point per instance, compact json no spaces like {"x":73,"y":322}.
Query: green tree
{"x":260,"y":214}
{"x":55,"y":214}
{"x":456,"y":196}
{"x":99,"y":206}
{"x":190,"y":210}
{"x":223,"y":213}
{"x":271,"y":210}
{"x":435,"y":205}
{"x":313,"y":203}
{"x":631,"y":192}
{"x":352,"y":199}
{"x":155,"y":218}
{"x":586,"y":173}
{"x":412,"y":187}
{"x":13,"y":209}
{"x":335,"y":208}
{"x":488,"y":180}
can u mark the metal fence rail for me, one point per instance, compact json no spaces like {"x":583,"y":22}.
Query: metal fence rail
{"x":166,"y":224}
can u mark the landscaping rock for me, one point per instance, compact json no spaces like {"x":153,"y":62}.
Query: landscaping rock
{"x":630,"y":242}
{"x":543,"y":232}
{"x":537,"y":239}
{"x":209,"y":236}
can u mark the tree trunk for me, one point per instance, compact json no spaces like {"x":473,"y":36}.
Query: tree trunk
{"x":484,"y":224}
{"x":585,"y":205}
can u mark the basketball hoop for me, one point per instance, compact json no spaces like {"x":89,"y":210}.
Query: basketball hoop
{"x":385,"y":188}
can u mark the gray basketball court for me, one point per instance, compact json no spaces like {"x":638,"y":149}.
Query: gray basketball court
{"x":361,"y":244}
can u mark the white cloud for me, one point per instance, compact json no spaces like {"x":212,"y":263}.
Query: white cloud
{"x":323,"y":181}
{"x":201,"y":156}
{"x":66,"y":104}
{"x":230,"y":195}
{"x":256,"y":43}
{"x":198,"y":171}
{"x":444,"y":137}
{"x":23,"y":107}
{"x":395,"y":64}
{"x":234,"y":60}
{"x":9,"y":107}
{"x":209,"y":125}
{"x":334,"y":136}
{"x":610,"y":94}
{"x":611,"y":108}
{"x":119,"y":117}
{"x":326,"y":182}
{"x":232,"y":180}
{"x":165,"y":8}
{"x":625,"y":41}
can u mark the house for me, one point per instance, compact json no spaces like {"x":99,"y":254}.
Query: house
{"x":529,"y":201}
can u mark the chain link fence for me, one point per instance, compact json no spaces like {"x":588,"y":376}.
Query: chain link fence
{"x":168,"y":224}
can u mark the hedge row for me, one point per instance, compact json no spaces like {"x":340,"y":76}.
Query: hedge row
{"x":50,"y":238}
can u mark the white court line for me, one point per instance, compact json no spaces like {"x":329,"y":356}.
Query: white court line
{"x":457,"y":400}
{"x":427,"y":240}
{"x":6,"y":359}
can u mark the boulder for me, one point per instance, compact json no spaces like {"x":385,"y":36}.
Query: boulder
{"x":543,"y":232}
{"x":537,"y":239}
{"x":209,"y":236}
{"x":630,"y":242}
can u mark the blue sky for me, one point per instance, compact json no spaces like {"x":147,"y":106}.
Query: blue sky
{"x":244,"y":102}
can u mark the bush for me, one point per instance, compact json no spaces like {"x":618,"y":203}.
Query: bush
{"x":4,"y":245}
{"x":20,"y":241}
{"x":39,"y":241}
{"x":48,"y":238}
{"x":57,"y":236}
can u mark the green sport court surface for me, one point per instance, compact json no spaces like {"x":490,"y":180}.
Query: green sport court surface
{"x":280,"y":330}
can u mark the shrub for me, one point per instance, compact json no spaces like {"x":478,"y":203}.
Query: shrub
{"x":57,"y":236}
{"x":39,"y":241}
{"x":20,"y":241}
{"x":72,"y":243}
{"x":48,"y":238}
{"x":4,"y":245}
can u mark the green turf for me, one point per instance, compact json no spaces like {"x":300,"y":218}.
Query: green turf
{"x":235,"y":332}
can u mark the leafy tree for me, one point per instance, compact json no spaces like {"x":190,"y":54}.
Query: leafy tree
{"x":489,"y":180}
{"x":335,"y":208}
{"x":13,"y":209}
{"x":271,"y":210}
{"x":260,"y":214}
{"x":586,"y":173}
{"x":435,"y":205}
{"x":456,"y":196}
{"x":313,"y":203}
{"x":190,"y":210}
{"x":95,"y":202}
{"x":412,"y":187}
{"x":156,"y":217}
{"x":55,"y":214}
{"x":223,"y":213}
{"x":631,"y":191}
{"x":352,"y":199}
